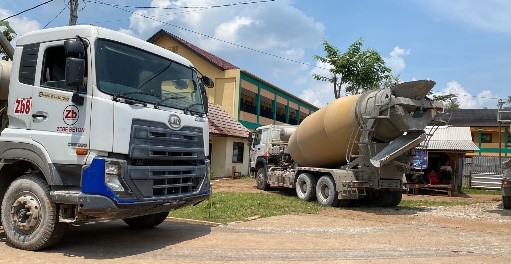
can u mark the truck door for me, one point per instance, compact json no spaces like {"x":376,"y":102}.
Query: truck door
{"x":57,"y":123}
{"x":258,"y":147}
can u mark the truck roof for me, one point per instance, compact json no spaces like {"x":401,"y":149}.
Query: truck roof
{"x":88,"y":31}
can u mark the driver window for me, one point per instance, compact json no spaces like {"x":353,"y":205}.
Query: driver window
{"x":54,"y":69}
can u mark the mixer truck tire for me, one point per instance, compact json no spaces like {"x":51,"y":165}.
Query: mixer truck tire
{"x":262,"y":180}
{"x":389,"y":198}
{"x":29,"y":217}
{"x":325,"y":191}
{"x":306,"y":187}
{"x":146,"y":221}
{"x":506,"y":202}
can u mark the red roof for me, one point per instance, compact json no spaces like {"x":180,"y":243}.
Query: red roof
{"x":220,"y":123}
{"x":218,"y":62}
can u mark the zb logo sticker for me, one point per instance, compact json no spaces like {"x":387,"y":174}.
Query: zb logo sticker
{"x":23,"y":106}
{"x":71,"y":115}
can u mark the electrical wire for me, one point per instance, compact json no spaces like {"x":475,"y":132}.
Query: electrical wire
{"x":27,"y":10}
{"x":205,"y":7}
{"x":207,"y":36}
{"x":55,"y":17}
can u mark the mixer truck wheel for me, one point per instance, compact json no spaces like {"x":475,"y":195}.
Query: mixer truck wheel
{"x":506,"y":202}
{"x":29,"y":217}
{"x":262,"y":180}
{"x":306,"y":187}
{"x":389,"y":198}
{"x":325,"y":191}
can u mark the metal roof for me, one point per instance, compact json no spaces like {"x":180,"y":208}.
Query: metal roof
{"x":451,"y":138}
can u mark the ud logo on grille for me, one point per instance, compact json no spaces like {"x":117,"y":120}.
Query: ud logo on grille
{"x":174,"y":121}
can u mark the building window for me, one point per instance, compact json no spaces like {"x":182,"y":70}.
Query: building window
{"x":248,"y":101}
{"x":237,"y":152}
{"x":486,"y":138}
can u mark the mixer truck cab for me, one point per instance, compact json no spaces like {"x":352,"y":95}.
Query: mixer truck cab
{"x":101,"y":125}
{"x":266,"y":140}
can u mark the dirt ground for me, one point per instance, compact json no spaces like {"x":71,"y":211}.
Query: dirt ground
{"x":476,"y":233}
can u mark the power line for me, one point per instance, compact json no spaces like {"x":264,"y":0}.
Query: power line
{"x":27,"y":10}
{"x":206,"y":7}
{"x":207,"y":36}
{"x":187,"y":7}
{"x":55,"y":17}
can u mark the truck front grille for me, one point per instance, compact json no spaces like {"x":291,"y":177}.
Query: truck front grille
{"x":165,"y":163}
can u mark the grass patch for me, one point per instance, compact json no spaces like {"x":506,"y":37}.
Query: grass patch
{"x":225,"y":207}
{"x":466,"y":190}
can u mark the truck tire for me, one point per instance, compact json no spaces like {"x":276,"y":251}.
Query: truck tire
{"x":325,"y":191}
{"x":389,"y":198}
{"x":146,"y":221}
{"x":506,"y":202}
{"x":29,"y":217}
{"x":262,"y":180}
{"x":306,"y":187}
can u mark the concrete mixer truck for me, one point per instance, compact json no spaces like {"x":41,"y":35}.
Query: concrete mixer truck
{"x":97,"y":124}
{"x":357,"y":147}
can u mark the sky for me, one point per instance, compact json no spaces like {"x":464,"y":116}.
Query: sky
{"x":463,"y":45}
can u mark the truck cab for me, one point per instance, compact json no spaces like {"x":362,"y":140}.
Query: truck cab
{"x":101,"y":125}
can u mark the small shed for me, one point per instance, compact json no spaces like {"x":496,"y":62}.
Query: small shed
{"x":447,"y":146}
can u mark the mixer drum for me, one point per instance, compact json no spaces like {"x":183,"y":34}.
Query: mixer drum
{"x":323,"y":138}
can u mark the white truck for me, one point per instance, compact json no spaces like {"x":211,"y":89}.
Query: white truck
{"x":357,"y":147}
{"x":96,"y":124}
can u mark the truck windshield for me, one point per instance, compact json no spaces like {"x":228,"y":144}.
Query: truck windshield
{"x":127,"y":72}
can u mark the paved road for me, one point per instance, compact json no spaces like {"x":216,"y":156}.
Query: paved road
{"x":341,"y":235}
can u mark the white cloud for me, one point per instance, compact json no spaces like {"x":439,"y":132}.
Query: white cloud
{"x":396,"y":60}
{"x":489,"y":15}
{"x":318,"y":93}
{"x":229,"y":30}
{"x":20,"y":24}
{"x":483,"y":99}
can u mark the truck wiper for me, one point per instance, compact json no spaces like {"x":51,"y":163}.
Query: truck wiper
{"x":187,"y":109}
{"x":168,"y":98}
{"x":123,"y":94}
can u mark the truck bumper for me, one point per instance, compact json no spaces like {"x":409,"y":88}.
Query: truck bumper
{"x":99,"y":206}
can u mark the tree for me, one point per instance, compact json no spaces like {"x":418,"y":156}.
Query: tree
{"x":9,"y":34}
{"x":450,"y":100}
{"x":358,"y":70}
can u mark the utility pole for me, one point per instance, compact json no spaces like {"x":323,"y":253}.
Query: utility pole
{"x":73,"y":12}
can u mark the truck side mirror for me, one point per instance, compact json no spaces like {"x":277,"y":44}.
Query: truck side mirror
{"x":250,"y":138}
{"x":204,"y":98}
{"x":75,"y":67}
{"x":207,"y":81}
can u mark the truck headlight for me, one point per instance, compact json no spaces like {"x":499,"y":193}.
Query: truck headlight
{"x":114,"y":178}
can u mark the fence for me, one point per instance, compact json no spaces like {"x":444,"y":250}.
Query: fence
{"x":483,"y":172}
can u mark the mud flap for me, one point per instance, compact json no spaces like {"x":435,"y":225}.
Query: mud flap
{"x":398,"y":147}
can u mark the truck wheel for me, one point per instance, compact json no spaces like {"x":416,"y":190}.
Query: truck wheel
{"x":306,"y":187}
{"x":262,"y":180}
{"x":146,"y":221}
{"x":506,"y":202}
{"x":389,"y":198}
{"x":29,"y":218}
{"x":325,"y":191}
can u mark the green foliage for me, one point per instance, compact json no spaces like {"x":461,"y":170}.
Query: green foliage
{"x":450,"y":100}
{"x":224,"y":207}
{"x":9,"y":33}
{"x":359,"y":70}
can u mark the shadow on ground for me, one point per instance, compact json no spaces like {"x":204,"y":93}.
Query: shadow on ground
{"x":110,"y":240}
